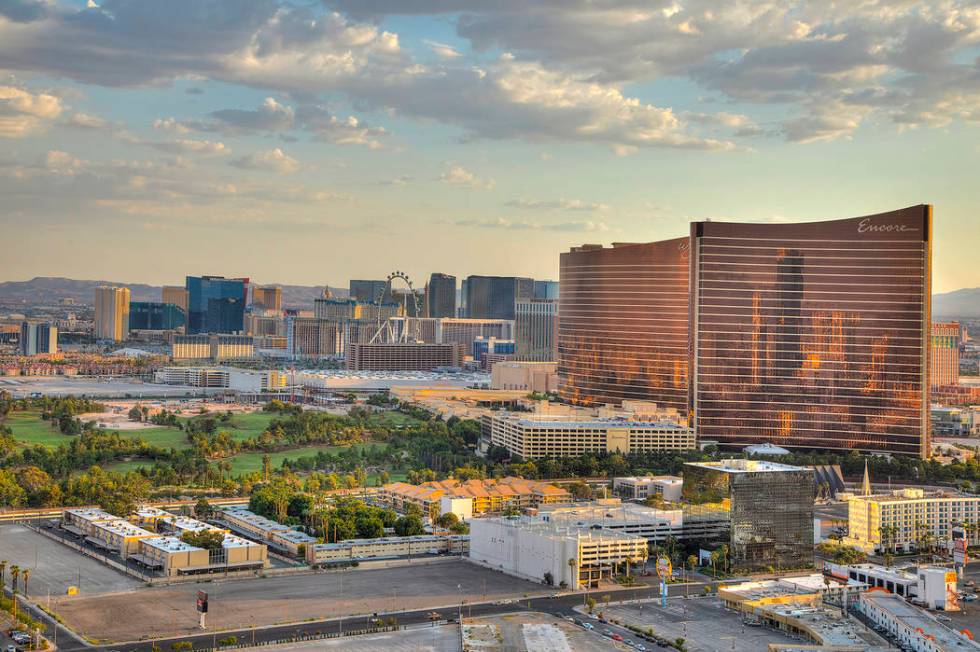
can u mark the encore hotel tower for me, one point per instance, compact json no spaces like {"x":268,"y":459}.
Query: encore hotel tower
{"x":810,"y":336}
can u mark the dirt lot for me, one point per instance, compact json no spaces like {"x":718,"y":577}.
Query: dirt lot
{"x":533,"y":632}
{"x":422,"y":639}
{"x":54,"y":567}
{"x":170,"y":611}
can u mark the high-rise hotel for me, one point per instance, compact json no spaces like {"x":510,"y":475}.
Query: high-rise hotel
{"x":811,"y":336}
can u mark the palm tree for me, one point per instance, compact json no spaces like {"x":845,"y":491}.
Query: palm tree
{"x":14,"y":576}
{"x":27,"y":578}
{"x":573,"y":565}
{"x":3,"y":573}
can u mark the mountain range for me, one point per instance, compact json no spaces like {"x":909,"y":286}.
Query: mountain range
{"x":49,"y":290}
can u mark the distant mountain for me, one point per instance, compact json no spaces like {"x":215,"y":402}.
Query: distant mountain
{"x":50,"y":290}
{"x":958,"y":303}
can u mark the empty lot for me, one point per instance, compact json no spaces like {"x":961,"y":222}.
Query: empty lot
{"x":170,"y":611}
{"x":54,"y":567}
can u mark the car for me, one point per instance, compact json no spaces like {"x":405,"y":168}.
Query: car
{"x":641,"y":647}
{"x":944,"y":619}
{"x":588,"y":626}
{"x":12,"y":648}
{"x":616,"y":637}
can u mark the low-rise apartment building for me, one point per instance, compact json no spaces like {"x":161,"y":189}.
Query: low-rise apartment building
{"x":536,"y":550}
{"x":272,"y":532}
{"x":491,"y":496}
{"x":909,"y":519}
{"x":119,"y":536}
{"x":82,"y":520}
{"x":172,"y":556}
{"x":386,"y":548}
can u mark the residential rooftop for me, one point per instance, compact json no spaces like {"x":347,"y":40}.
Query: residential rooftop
{"x":169,"y":544}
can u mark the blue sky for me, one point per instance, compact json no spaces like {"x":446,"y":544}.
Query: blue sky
{"x":307,"y":142}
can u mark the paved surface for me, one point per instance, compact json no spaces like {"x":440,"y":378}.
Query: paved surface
{"x":422,"y":639}
{"x":703,"y":622}
{"x":170,"y":611}
{"x":514,"y":635}
{"x":54,"y":567}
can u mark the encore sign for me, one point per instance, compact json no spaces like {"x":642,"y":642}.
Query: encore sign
{"x":202,"y":602}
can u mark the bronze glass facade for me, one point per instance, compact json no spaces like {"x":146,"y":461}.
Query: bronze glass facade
{"x":813,"y":335}
{"x":623,"y":325}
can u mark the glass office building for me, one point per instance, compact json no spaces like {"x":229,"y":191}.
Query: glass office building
{"x":440,"y":295}
{"x":495,"y":297}
{"x":216,"y":304}
{"x":623,"y":329}
{"x":769,"y":510}
{"x":154,"y":316}
{"x":813,"y":335}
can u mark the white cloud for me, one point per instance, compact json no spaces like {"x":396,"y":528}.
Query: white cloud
{"x":273,"y":160}
{"x":23,"y":112}
{"x":459,"y":176}
{"x":442,"y":50}
{"x":523,"y":225}
{"x":557,"y":205}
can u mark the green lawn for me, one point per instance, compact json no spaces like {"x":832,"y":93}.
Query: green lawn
{"x":392,"y":418}
{"x":29,"y":428}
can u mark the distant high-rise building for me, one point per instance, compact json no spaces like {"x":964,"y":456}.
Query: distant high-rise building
{"x":546,"y":290}
{"x":38,"y":338}
{"x":267,"y":298}
{"x":368,"y":291}
{"x":536,"y":330}
{"x":402,"y":356}
{"x":623,"y":331}
{"x":494,"y":297}
{"x":407,"y":306}
{"x":154,"y":316}
{"x":944,"y":364}
{"x":111,"y":313}
{"x":314,"y":337}
{"x":175,"y":295}
{"x":216,"y":304}
{"x":441,"y":295}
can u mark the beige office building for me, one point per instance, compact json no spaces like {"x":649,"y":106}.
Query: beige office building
{"x":386,"y":548}
{"x":111,"y":313}
{"x":267,"y":298}
{"x":176,"y":295}
{"x":525,"y":376}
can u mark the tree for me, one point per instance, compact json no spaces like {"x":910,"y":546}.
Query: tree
{"x":408,"y":526}
{"x":549,"y":579}
{"x":207,"y":539}
{"x":590,"y":603}
{"x":447,"y":520}
{"x":14,"y":577}
{"x":135,"y":413}
{"x":202,"y":509}
{"x":11,"y":493}
{"x":580,"y":490}
{"x":3,"y":573}
{"x":26,"y":574}
{"x":692,"y":561}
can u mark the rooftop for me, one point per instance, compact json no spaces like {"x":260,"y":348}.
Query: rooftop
{"x":91,"y":514}
{"x":907,"y":494}
{"x":254,"y":519}
{"x":295,"y":536}
{"x":610,"y":512}
{"x":561,"y":531}
{"x":745,"y":466}
{"x":509,"y":486}
{"x":124,"y":528}
{"x":232,"y":541}
{"x":421,"y":538}
{"x":652,"y":479}
{"x":169,"y":544}
{"x":918,"y":618}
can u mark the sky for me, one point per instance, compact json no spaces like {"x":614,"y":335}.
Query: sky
{"x":312,"y":142}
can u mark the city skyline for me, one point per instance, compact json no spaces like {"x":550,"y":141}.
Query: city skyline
{"x":300,"y":137}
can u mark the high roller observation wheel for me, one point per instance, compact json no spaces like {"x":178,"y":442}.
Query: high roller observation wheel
{"x":379,"y":299}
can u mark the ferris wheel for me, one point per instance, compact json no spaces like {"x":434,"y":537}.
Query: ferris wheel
{"x":412,"y":329}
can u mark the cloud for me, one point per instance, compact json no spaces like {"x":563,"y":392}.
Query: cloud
{"x":503,"y":223}
{"x":273,"y":160}
{"x":442,"y":50}
{"x":460,"y":177}
{"x":271,"y":116}
{"x":556,"y":205}
{"x":88,"y":121}
{"x":186,"y":145}
{"x":23,"y":112}
{"x":340,"y":131}
{"x":400,"y":180}
{"x":22,"y":11}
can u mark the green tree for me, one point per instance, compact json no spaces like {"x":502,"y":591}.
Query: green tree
{"x":408,"y":526}
{"x":207,"y":539}
{"x":202,"y":509}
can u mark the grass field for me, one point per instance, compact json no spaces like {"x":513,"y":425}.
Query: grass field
{"x":29,"y":428}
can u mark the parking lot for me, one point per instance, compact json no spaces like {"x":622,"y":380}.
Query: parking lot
{"x":421,"y":639}
{"x":239,"y":604}
{"x":54,"y":567}
{"x":703,"y":622}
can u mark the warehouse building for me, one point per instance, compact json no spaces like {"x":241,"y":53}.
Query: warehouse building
{"x":271,"y":532}
{"x":385,"y":548}
{"x":913,"y":628}
{"x":536,"y":550}
{"x":171,"y":556}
